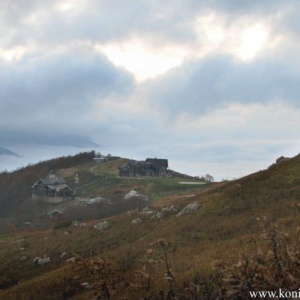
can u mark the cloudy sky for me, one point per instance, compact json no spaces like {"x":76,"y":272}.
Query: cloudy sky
{"x":211,"y":85}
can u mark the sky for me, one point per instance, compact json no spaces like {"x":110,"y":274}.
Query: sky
{"x":211,"y":85}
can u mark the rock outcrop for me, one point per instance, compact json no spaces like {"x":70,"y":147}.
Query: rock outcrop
{"x":189,"y":208}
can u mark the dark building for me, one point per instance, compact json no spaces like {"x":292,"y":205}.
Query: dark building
{"x":51,"y":187}
{"x":155,"y":167}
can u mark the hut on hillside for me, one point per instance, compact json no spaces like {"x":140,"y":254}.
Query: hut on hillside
{"x":53,"y":189}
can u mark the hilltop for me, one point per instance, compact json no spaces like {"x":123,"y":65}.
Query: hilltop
{"x":93,"y":180}
{"x":130,"y":259}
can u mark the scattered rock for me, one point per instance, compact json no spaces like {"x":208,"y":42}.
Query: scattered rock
{"x":55,"y":213}
{"x":97,"y":200}
{"x":135,"y":194}
{"x":189,"y":208}
{"x":20,"y":241}
{"x":102,"y":225}
{"x":157,"y":216}
{"x":78,"y":224}
{"x":131,"y":194}
{"x":71,"y":260}
{"x":171,"y":209}
{"x":41,"y":261}
{"x":148,"y":213}
{"x":63,"y":255}
{"x":137,"y":221}
{"x":85,"y":285}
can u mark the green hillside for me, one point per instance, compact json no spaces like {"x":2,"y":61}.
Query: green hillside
{"x":108,"y":184}
{"x":168,"y":256}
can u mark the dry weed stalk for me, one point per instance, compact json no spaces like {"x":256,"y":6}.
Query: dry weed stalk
{"x":255,"y":270}
{"x":144,"y":280}
{"x":165,"y":246}
{"x":104,"y":279}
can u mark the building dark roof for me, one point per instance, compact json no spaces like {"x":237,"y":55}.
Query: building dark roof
{"x":148,"y":167}
{"x":158,"y":162}
{"x":150,"y":162}
{"x":58,"y":187}
{"x":51,"y":186}
{"x":56,"y":180}
{"x":50,"y":181}
{"x":143,"y":163}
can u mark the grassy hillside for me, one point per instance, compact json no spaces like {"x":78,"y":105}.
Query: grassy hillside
{"x":15,"y":186}
{"x":107,"y":183}
{"x":160,"y":256}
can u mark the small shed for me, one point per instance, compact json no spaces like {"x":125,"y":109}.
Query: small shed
{"x":99,"y":160}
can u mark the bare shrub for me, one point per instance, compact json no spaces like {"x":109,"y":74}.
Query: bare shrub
{"x":277,"y":267}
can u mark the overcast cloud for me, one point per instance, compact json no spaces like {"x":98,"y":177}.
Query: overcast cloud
{"x":211,"y":85}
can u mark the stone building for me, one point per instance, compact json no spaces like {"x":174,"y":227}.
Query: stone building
{"x":53,"y":188}
{"x":155,"y":167}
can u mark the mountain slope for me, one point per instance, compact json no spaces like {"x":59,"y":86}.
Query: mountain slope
{"x":226,"y":220}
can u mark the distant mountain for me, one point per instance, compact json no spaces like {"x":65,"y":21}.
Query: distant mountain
{"x":5,"y":151}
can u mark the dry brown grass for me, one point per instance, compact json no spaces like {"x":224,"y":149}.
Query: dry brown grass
{"x":199,"y":241}
{"x":67,"y":172}
{"x":267,"y":265}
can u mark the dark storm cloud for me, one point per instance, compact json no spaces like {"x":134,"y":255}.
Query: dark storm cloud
{"x":69,"y":77}
{"x":103,"y":21}
{"x":52,"y":94}
{"x":61,"y":92}
{"x":99,"y":21}
{"x":240,"y":7}
{"x":220,"y":80}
